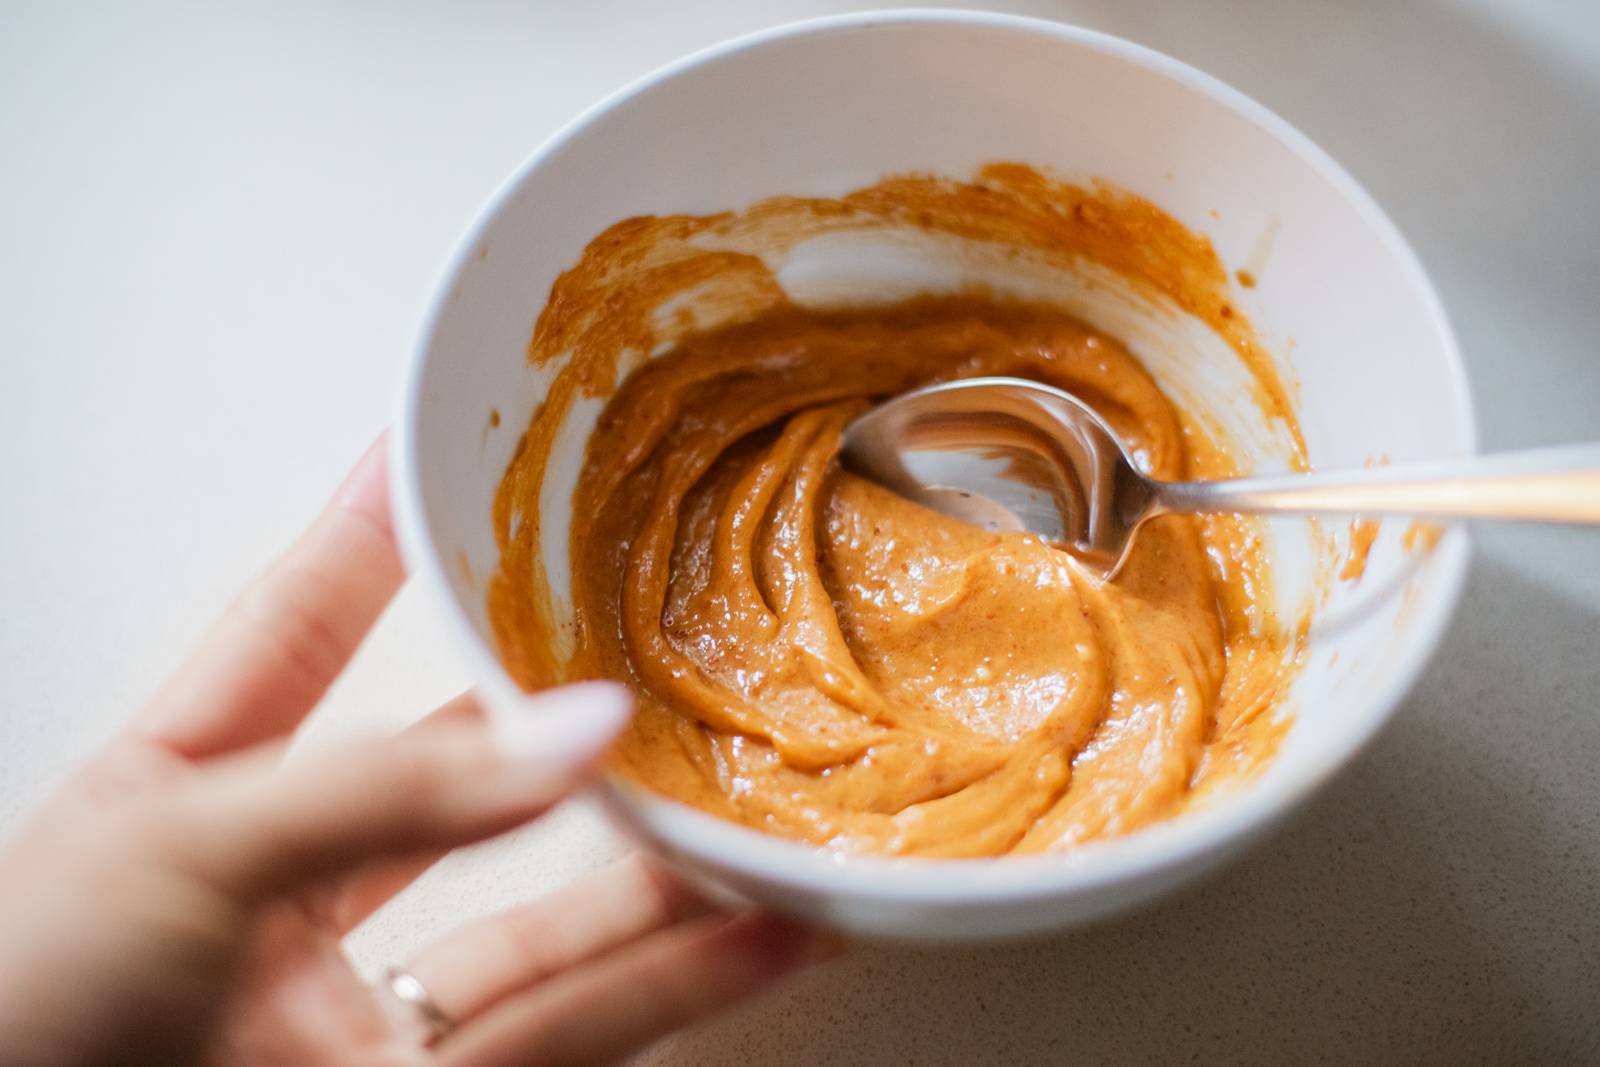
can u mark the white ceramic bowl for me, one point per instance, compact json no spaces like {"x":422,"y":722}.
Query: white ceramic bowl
{"x":826,"y":106}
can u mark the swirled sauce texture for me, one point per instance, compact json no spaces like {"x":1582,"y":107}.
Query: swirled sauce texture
{"x":821,"y":659}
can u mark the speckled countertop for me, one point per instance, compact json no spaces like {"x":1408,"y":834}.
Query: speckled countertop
{"x":221,"y":219}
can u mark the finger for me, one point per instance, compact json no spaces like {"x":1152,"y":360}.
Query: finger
{"x":481,"y":964}
{"x":623,"y":1001}
{"x":256,"y":832}
{"x":275,"y":651}
{"x":351,"y":900}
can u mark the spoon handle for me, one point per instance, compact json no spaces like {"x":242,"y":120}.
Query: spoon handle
{"x":1542,"y":485}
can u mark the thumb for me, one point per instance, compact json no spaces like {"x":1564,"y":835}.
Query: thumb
{"x":254,"y":829}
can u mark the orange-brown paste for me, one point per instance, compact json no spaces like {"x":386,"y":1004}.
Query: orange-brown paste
{"x":1363,"y":533}
{"x":818,"y":658}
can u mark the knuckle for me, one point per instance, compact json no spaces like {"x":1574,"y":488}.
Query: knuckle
{"x":535,"y":939}
{"x":668,"y":898}
{"x":292,"y":617}
{"x":416,"y":774}
{"x":436,"y":781}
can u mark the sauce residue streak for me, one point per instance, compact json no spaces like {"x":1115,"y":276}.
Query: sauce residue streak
{"x":818,"y":658}
{"x":1363,"y":532}
{"x":1421,"y":535}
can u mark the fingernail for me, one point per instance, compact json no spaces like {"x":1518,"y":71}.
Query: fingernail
{"x":565,"y":727}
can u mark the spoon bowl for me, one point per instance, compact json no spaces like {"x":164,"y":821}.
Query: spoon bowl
{"x":1008,"y":454}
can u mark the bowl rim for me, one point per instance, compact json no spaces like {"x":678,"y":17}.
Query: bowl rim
{"x":1165,"y":846}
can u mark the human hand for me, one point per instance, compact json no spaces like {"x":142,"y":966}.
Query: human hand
{"x":183,"y":898}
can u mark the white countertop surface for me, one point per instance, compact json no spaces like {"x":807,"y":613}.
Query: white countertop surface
{"x":217,"y":226}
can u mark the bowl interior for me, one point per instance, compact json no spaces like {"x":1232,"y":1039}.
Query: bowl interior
{"x":1338,"y":300}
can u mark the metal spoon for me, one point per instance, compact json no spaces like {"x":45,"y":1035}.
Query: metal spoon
{"x":1010,"y":454}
